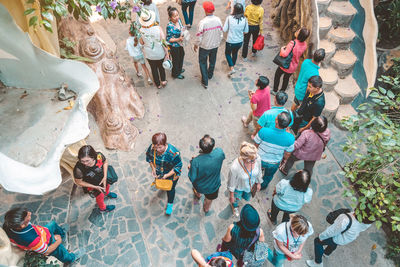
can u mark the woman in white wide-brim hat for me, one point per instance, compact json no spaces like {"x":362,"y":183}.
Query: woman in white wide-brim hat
{"x":155,"y":52}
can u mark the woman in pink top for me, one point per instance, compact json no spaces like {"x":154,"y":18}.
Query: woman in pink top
{"x":260,"y":101}
{"x":300,"y":46}
{"x":309,"y":146}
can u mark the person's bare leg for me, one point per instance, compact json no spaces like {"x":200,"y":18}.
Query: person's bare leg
{"x":146,"y":71}
{"x":294,"y":107}
{"x":207,"y":205}
{"x":136,"y":67}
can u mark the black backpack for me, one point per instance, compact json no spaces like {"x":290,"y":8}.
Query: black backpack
{"x":331,"y":217}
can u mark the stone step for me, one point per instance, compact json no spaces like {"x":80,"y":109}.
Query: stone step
{"x":325,"y":24}
{"x":330,"y":50}
{"x":329,"y":77}
{"x":343,"y":61}
{"x":322,"y":6}
{"x":347,"y":89}
{"x":342,"y":112}
{"x":342,"y":37}
{"x":341,"y":12}
{"x":332,"y":102}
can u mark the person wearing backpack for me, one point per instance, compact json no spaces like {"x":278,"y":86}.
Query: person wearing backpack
{"x":289,"y":239}
{"x":244,"y":234}
{"x":344,"y":230}
{"x":309,"y":146}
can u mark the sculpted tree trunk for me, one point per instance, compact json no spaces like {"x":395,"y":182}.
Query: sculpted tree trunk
{"x":117,"y":101}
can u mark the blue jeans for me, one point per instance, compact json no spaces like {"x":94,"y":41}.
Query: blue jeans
{"x":319,"y":248}
{"x":239,"y":195}
{"x":231,"y":52}
{"x":276,"y":258}
{"x":61,"y":253}
{"x":185,"y":6}
{"x":207,"y":72}
{"x":269,"y":171}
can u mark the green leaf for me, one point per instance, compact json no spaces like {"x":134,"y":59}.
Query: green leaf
{"x":104,"y":12}
{"x":47,"y":25}
{"x":29,"y":11}
{"x":378,"y":224}
{"x":33,"y":21}
{"x":390,"y":94}
{"x":47,"y":15}
{"x":395,"y":218}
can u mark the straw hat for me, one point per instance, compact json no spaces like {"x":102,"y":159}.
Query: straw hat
{"x":147,"y":17}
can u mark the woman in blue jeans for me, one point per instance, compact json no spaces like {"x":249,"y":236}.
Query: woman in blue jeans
{"x":236,"y":25}
{"x":185,"y":5}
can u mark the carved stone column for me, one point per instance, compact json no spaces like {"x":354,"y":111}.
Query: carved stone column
{"x":117,"y":101}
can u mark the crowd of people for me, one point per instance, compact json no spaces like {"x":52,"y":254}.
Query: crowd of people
{"x":280,"y":137}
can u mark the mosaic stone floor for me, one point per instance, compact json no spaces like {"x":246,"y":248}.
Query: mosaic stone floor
{"x":138,"y":233}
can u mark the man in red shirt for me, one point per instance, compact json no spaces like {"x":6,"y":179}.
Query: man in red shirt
{"x":43,"y":240}
{"x":260,"y":101}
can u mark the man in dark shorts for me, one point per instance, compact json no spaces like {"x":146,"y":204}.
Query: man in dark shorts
{"x":205,"y":171}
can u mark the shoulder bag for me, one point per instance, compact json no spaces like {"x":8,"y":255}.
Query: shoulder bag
{"x":259,"y":255}
{"x":284,"y":62}
{"x":253,"y":189}
{"x":161,"y":184}
{"x":287,"y":243}
{"x":322,"y":142}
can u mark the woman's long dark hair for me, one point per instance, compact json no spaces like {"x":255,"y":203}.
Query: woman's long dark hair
{"x":243,"y":233}
{"x":238,"y":12}
{"x":14,"y":218}
{"x":87,"y":151}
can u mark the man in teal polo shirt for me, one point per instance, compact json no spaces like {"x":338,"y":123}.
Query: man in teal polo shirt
{"x":272,"y":144}
{"x":308,"y":69}
{"x":269,"y":116}
{"x":205,"y":171}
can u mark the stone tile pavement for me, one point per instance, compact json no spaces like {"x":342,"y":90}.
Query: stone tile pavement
{"x":138,"y":233}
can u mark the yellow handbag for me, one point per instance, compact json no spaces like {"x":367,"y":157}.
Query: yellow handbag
{"x":161,"y":184}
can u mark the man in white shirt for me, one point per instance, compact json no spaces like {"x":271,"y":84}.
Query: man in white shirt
{"x":336,"y":234}
{"x":208,"y":38}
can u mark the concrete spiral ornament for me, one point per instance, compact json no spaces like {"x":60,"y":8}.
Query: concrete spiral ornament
{"x":116,"y":101}
{"x":91,"y":48}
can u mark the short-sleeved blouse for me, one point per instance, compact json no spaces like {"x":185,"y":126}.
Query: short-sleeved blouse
{"x":92,"y":175}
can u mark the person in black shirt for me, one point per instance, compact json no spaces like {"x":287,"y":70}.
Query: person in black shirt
{"x":90,"y":172}
{"x":311,"y":107}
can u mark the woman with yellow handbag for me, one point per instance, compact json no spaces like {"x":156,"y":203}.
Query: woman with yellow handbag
{"x":166,"y":164}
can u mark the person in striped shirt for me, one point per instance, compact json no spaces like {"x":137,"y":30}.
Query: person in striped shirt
{"x":272,"y":144}
{"x":44,"y":240}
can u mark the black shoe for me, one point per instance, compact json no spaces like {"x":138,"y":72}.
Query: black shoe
{"x":183,"y":70}
{"x":210,"y":77}
{"x":205,"y":86}
{"x":180,"y":76}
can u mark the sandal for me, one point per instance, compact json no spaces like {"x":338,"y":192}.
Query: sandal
{"x":269,"y":217}
{"x":164,"y":83}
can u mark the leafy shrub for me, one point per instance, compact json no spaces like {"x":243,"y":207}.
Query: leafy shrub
{"x":37,"y":260}
{"x":387,"y":13}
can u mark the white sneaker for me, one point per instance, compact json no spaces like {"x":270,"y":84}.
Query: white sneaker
{"x":139,"y":74}
{"x":253,"y":54}
{"x":236,"y":212}
{"x":232,"y":72}
{"x":245,"y":59}
{"x":312,"y":263}
{"x":150,"y":81}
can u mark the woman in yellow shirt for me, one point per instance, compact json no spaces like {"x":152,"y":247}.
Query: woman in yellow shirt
{"x":254,"y":14}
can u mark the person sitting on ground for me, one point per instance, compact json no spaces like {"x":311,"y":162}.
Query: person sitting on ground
{"x":290,"y":196}
{"x":308,"y":69}
{"x":91,"y":173}
{"x":205,"y":171}
{"x":45,"y":240}
{"x":166,"y":163}
{"x":245,"y":172}
{"x":312,"y":106}
{"x":260,"y":101}
{"x":272,"y":143}
{"x":309,"y":146}
{"x":289,"y":240}
{"x":337,"y":235}
{"x":267,"y":119}
{"x":297,"y":47}
{"x":217,"y":259}
{"x":240,"y":234}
